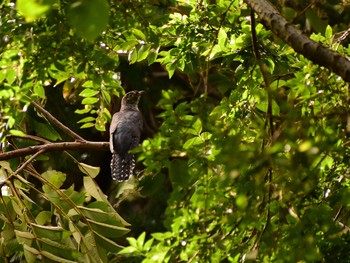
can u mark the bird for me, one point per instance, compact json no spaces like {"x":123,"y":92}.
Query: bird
{"x":124,"y":135}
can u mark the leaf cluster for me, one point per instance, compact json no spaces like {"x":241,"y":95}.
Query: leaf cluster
{"x":251,"y":138}
{"x":49,"y":221}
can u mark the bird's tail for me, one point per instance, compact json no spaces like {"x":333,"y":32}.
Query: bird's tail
{"x":122,"y":166}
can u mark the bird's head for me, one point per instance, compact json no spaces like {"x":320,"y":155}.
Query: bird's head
{"x":132,"y":97}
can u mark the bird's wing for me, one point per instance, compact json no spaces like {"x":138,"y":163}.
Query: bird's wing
{"x":125,"y":131}
{"x":113,"y":127}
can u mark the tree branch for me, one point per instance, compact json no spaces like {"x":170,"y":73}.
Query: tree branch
{"x":59,"y":124}
{"x":301,"y":43}
{"x":59,"y":146}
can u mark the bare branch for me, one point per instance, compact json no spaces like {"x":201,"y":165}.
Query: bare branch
{"x":301,"y":43}
{"x":59,"y":124}
{"x":60,"y":146}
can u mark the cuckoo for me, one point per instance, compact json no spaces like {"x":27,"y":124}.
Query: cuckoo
{"x":124,"y":132}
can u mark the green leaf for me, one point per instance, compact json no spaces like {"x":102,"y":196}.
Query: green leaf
{"x":107,"y":96}
{"x":25,"y":237}
{"x":107,"y":230}
{"x":152,"y":56}
{"x":17,"y":132}
{"x":318,"y":24}
{"x":32,"y":9}
{"x":3,"y":74}
{"x":329,"y":32}
{"x":89,"y":170}
{"x":97,"y":213}
{"x":88,"y":84}
{"x":289,"y":13}
{"x":66,"y":250}
{"x":39,"y":90}
{"x":242,"y":201}
{"x":147,"y":246}
{"x":83,"y":111}
{"x":132,"y":56}
{"x":93,"y":190}
{"x":264,"y":105}
{"x":100,"y":126}
{"x":162,"y":236}
{"x":88,"y":93}
{"x":87,"y":119}
{"x":89,"y":101}
{"x":171,"y":69}
{"x":196,"y":127}
{"x":190,"y":143}
{"x":178,"y":172}
{"x":128,"y":250}
{"x":5,"y":165}
{"x":56,"y":258}
{"x":141,"y":240}
{"x":87,"y":125}
{"x":138,"y":33}
{"x":106,"y":243}
{"x":11,"y":75}
{"x":89,"y":18}
{"x":44,"y":129}
{"x":50,"y":232}
{"x":143,"y":52}
{"x":31,"y":250}
{"x":43,"y":217}
{"x":133,"y":242}
{"x":54,"y":177}
{"x":222,"y":39}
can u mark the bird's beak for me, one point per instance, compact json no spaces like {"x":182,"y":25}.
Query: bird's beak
{"x":142,"y":92}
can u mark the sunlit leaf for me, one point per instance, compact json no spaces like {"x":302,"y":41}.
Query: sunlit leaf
{"x":39,"y":90}
{"x":88,"y":93}
{"x":32,"y":9}
{"x":90,"y":100}
{"x":193,"y":142}
{"x":143,"y":52}
{"x":222,"y":39}
{"x":90,"y":170}
{"x":86,"y":119}
{"x":87,"y":125}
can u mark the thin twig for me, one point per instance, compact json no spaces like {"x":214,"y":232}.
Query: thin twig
{"x":338,"y":213}
{"x":206,"y":70}
{"x":28,"y":137}
{"x":269,"y":117}
{"x":26,"y":163}
{"x":268,"y":219}
{"x":268,"y":120}
{"x":56,"y":122}
{"x":50,"y":147}
{"x":304,"y":11}
{"x":193,"y":256}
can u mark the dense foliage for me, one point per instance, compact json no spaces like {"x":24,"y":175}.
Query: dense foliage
{"x":246,"y":143}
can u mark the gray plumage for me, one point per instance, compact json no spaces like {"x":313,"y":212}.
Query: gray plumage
{"x":124,"y":135}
